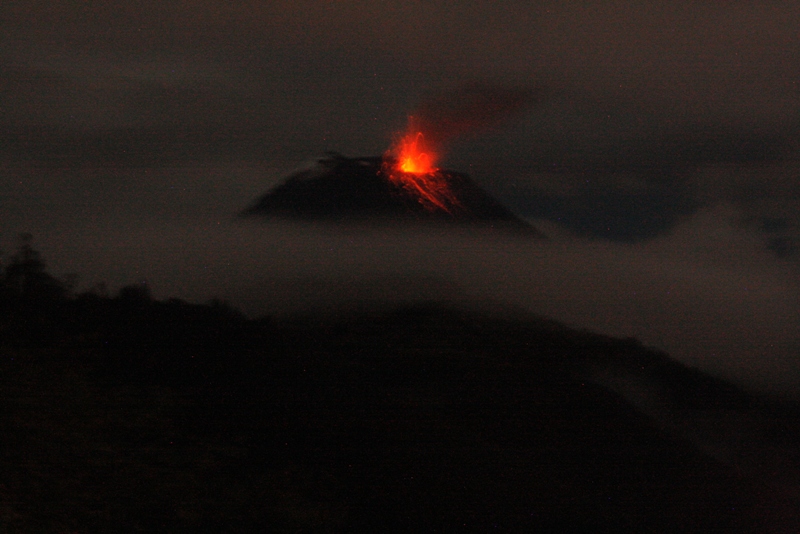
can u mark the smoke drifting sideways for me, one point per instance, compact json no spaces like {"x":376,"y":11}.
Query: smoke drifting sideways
{"x":707,"y":293}
{"x":469,"y":110}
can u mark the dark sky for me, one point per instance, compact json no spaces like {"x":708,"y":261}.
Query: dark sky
{"x":660,"y":154}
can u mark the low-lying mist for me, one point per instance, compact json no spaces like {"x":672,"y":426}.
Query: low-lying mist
{"x":709,"y":293}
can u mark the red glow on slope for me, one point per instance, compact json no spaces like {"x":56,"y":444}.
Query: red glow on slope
{"x":410,"y":165}
{"x":411,"y":162}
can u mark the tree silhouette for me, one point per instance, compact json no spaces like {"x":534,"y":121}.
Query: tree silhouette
{"x":135,"y":293}
{"x":26,"y":276}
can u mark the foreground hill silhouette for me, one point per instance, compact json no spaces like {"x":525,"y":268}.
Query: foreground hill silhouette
{"x":127,"y":414}
{"x":360,"y":190}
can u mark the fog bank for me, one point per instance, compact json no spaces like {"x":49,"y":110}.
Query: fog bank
{"x":708,"y":293}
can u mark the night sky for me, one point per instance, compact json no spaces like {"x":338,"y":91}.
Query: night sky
{"x":659,"y":153}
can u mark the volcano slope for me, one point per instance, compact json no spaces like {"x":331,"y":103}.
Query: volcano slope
{"x":131,"y":415}
{"x":366,"y":190}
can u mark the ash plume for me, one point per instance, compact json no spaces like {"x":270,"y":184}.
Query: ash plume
{"x":469,"y":109}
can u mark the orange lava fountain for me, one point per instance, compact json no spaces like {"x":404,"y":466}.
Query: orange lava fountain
{"x":411,"y":158}
{"x":410,"y":165}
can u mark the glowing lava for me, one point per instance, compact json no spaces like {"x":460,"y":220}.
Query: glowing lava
{"x":412,"y":157}
{"x":410,"y":165}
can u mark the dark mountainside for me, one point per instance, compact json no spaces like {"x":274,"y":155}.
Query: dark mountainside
{"x":127,"y":414}
{"x":358,"y":190}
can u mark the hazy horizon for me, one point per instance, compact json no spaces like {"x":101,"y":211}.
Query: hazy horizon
{"x":707,"y":292}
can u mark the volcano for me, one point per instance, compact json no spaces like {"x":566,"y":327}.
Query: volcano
{"x":373,"y":190}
